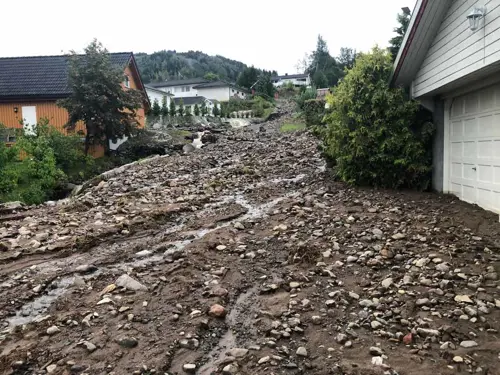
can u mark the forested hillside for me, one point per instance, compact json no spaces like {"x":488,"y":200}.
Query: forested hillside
{"x":162,"y":65}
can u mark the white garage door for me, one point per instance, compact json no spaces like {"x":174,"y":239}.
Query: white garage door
{"x":475,"y":148}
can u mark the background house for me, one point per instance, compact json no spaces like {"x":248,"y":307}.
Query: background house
{"x":295,"y":79}
{"x":179,"y":87}
{"x":450,"y":61}
{"x":157,"y":94}
{"x":31,"y":86}
{"x":220,"y":90}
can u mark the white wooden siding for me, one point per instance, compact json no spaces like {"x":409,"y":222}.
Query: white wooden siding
{"x":456,"y":51}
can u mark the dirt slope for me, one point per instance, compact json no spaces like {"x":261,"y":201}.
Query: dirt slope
{"x":246,"y":258}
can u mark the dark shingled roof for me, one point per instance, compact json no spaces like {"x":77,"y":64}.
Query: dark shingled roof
{"x":190,"y":100}
{"x":178,"y":82}
{"x":41,"y":76}
{"x":289,"y":76}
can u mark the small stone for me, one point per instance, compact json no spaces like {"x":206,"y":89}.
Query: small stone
{"x":90,"y":347}
{"x":316,"y":319}
{"x":301,"y":351}
{"x":386,"y":283}
{"x":398,"y":236}
{"x":448,"y":345}
{"x":341,"y":338}
{"x":366,"y":303}
{"x":294,"y":284}
{"x":230,"y":369}
{"x":143,"y":253}
{"x":376,"y":351}
{"x":375,"y":324}
{"x":37,"y":288}
{"x":189,"y":367}
{"x":458,"y":359}
{"x":238,"y":352}
{"x":353,"y":295}
{"x":442,"y":267}
{"x":53,"y":330}
{"x":217,"y":311}
{"x":125,"y":281}
{"x":351,"y":259}
{"x":51,"y":368}
{"x":127,"y":342}
{"x":239,"y":225}
{"x":425,"y":332}
{"x":463,"y":298}
{"x":221,"y":247}
{"x":407,"y":339}
{"x":264,"y":360}
{"x":468,"y":344}
{"x":422,"y":302}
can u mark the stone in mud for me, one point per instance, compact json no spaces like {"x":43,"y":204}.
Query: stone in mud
{"x":264,"y":360}
{"x":376,"y":351}
{"x":217,"y":311}
{"x":398,"y":236}
{"x":301,"y":352}
{"x":125,"y":281}
{"x":86,"y":268}
{"x":127,"y":342}
{"x":230,"y":369}
{"x":53,"y":330}
{"x":189,"y":368}
{"x":188,"y":148}
{"x":239,"y":225}
{"x":238,"y":352}
{"x":51,"y":368}
{"x":386,"y":283}
{"x":468,"y":344}
{"x":463,"y":298}
{"x":143,"y":253}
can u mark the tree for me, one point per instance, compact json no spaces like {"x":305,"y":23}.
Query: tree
{"x":164,"y":107}
{"x":248,"y":77}
{"x":171,"y":110}
{"x":203,"y":108}
{"x":323,"y":65}
{"x":215,"y":111}
{"x":196,"y":110}
{"x":396,"y":42}
{"x":180,"y":110}
{"x":98,"y":99}
{"x":187,"y":111}
{"x":375,"y":135}
{"x":346,"y":57}
{"x":211,"y":76}
{"x":156,"y":109}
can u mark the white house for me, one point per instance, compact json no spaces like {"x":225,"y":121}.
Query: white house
{"x":220,"y":90}
{"x":179,"y":87}
{"x":450,"y":61}
{"x":295,"y":79}
{"x":157,"y":94}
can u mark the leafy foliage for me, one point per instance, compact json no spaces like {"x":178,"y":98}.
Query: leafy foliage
{"x":98,"y":99}
{"x":259,"y":80}
{"x":162,"y":65}
{"x":396,"y":42}
{"x":307,"y":94}
{"x":180,"y":110}
{"x":164,"y":107}
{"x":203,"y":108}
{"x":215,"y":110}
{"x":314,"y":111}
{"x":187,"y":111}
{"x":196,"y":110}
{"x":375,"y":134}
{"x":171,"y":110}
{"x":211,"y":76}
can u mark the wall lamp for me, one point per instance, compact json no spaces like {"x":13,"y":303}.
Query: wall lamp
{"x":475,"y":17}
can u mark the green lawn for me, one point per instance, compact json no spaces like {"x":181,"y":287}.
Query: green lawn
{"x":292,"y":127}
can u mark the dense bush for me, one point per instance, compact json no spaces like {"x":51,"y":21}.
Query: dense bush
{"x":314,"y":111}
{"x":307,"y":94}
{"x":375,"y":135}
{"x":259,"y":106}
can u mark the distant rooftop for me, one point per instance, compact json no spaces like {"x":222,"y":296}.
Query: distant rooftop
{"x":178,"y":82}
{"x":290,"y":76}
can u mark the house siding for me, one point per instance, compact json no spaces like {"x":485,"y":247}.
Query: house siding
{"x":220,"y":93}
{"x":456,"y":51}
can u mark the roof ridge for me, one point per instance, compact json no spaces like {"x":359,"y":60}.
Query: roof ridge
{"x":69,"y":54}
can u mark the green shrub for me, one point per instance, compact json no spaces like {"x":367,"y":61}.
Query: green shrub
{"x":307,"y":94}
{"x":314,"y":111}
{"x":375,"y":135}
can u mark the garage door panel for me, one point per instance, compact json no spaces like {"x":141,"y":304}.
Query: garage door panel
{"x":474,"y":148}
{"x":470,"y":127}
{"x":457,"y":129}
{"x":485,"y":173}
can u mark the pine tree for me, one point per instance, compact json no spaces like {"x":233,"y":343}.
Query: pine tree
{"x":171,"y":110}
{"x":395,"y":43}
{"x":156,"y":109}
{"x":204,"y":109}
{"x":180,"y":110}
{"x":196,"y":110}
{"x":187,"y":111}
{"x":216,"y":110}
{"x":164,"y":108}
{"x":92,"y":77}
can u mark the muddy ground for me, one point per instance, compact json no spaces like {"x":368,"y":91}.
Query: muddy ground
{"x":245,"y":257}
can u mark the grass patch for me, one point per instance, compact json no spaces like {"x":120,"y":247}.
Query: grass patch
{"x":179,"y":136}
{"x":285,"y":128}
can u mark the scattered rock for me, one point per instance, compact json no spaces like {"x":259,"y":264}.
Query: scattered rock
{"x":53,"y":330}
{"x":468,"y":344}
{"x":125,"y":281}
{"x":301,"y":351}
{"x":217,"y":311}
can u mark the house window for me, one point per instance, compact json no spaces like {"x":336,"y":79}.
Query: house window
{"x":186,"y":89}
{"x":177,"y":89}
{"x":127,"y":82}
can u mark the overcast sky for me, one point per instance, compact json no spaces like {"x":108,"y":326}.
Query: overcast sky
{"x":270,"y":34}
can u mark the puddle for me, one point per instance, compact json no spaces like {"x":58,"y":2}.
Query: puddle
{"x":33,"y":310}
